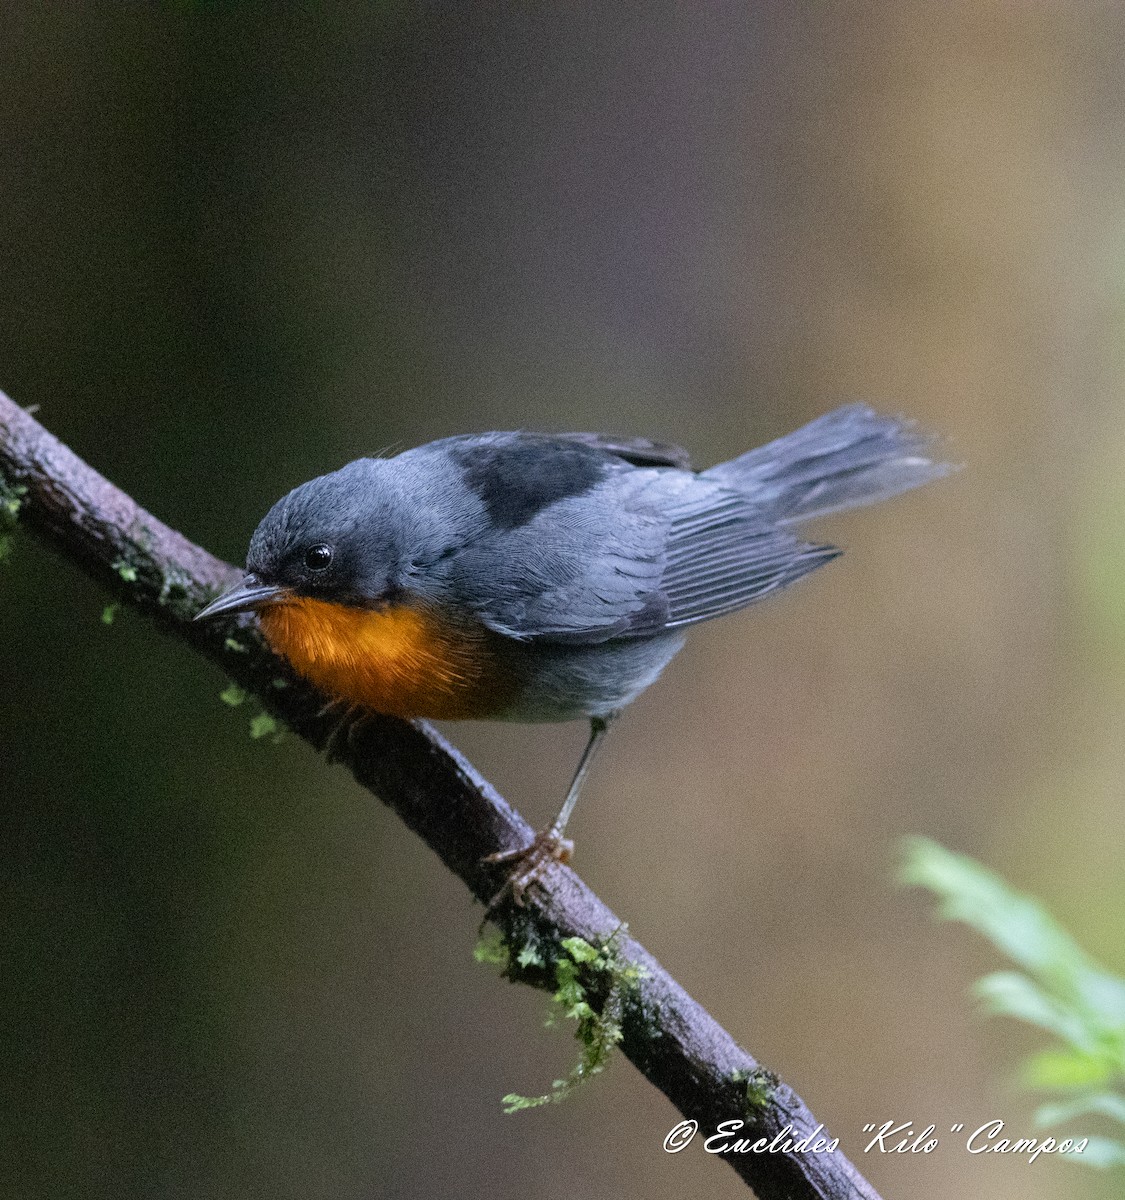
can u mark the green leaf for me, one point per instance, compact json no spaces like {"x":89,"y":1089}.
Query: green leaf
{"x":1104,"y":995}
{"x":580,"y":950}
{"x":513,"y":1103}
{"x":1066,"y":1070}
{"x":263,"y":725}
{"x":1019,"y":926}
{"x":11,"y":498}
{"x":1065,"y":992}
{"x":1010,"y":994}
{"x":1100,"y":1104}
{"x":234,"y":696}
{"x":1100,"y":1152}
{"x":580,"y":1011}
{"x":10,"y":502}
{"x":976,"y":896}
{"x":109,"y":612}
{"x":491,"y":948}
{"x":529,"y":956}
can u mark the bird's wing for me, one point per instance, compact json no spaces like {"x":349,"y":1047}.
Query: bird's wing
{"x":721,"y":556}
{"x":638,"y":552}
{"x":639,"y":452}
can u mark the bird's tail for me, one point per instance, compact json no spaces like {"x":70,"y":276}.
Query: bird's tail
{"x":846,"y":458}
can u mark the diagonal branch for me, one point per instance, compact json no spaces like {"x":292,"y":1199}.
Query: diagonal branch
{"x":677,"y":1045}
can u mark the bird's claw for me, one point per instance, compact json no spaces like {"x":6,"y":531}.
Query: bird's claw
{"x":547,"y":847}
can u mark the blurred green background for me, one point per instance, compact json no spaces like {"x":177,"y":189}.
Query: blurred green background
{"x":241,"y":245}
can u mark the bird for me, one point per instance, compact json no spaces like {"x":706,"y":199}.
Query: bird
{"x":533,"y":577}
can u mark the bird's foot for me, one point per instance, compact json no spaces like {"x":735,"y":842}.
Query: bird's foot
{"x":547,"y":847}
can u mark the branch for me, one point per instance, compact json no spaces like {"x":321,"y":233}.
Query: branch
{"x":677,"y":1045}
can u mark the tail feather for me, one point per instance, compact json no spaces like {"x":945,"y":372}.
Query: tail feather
{"x":846,"y":458}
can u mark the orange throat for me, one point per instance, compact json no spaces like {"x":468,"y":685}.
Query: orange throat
{"x":401,"y":660}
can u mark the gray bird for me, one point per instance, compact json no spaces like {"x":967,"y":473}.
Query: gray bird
{"x":546,"y":577}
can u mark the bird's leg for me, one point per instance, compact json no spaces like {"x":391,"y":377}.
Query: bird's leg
{"x":549,"y":845}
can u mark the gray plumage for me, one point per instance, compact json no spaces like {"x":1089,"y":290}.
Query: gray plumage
{"x":587,"y":556}
{"x":847,"y":458}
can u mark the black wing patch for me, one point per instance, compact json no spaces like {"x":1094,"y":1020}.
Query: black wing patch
{"x":520,"y":475}
{"x":639,"y":452}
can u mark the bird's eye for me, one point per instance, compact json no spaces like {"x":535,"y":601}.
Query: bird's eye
{"x":318,"y":557}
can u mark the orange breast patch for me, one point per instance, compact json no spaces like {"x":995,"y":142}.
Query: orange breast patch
{"x":400,"y":660}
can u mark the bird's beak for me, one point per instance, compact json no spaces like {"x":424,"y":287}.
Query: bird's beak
{"x":249,"y":594}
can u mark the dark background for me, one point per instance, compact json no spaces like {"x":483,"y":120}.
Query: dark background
{"x":240,"y":246}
